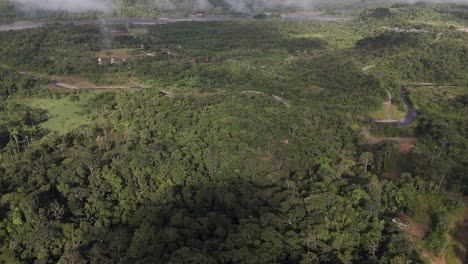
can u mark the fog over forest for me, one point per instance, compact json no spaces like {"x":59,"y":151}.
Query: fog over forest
{"x":233,"y":5}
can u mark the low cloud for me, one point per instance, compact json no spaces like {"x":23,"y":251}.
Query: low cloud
{"x":232,"y":5}
{"x":68,"y":5}
{"x":111,"y":5}
{"x":199,"y":5}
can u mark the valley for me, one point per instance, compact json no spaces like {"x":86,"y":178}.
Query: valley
{"x":278,"y":135}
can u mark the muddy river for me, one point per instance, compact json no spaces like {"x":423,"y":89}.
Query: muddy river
{"x":159,"y":21}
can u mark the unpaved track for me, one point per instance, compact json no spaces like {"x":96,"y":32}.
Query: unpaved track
{"x":368,"y":67}
{"x":374,"y":139}
{"x":431,"y":85}
{"x":72,"y":87}
{"x":388,"y":106}
{"x":277,"y":98}
{"x":388,"y":110}
{"x":439,"y":35}
{"x":410,"y":117}
{"x":280,"y":99}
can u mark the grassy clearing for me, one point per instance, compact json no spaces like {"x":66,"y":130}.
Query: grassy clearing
{"x":438,"y":101}
{"x":454,"y":91}
{"x":311,"y":35}
{"x":5,"y":66}
{"x":381,"y":114}
{"x":457,"y":249}
{"x":64,"y":113}
{"x":448,"y":91}
{"x":138,"y":31}
{"x":451,"y":253}
{"x":396,"y":113}
{"x":422,"y":207}
{"x":117,"y":53}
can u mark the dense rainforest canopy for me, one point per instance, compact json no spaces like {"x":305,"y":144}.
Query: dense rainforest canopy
{"x":243,"y":141}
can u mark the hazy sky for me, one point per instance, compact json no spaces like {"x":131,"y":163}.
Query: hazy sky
{"x":68,"y":5}
{"x":110,"y":5}
{"x":236,"y":5}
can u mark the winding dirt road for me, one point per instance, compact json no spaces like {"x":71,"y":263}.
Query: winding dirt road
{"x":277,"y":98}
{"x":439,"y":35}
{"x":410,"y":117}
{"x":374,"y":140}
{"x":61,"y":85}
{"x":368,"y":67}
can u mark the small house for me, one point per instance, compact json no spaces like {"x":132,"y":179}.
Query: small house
{"x":401,"y":221}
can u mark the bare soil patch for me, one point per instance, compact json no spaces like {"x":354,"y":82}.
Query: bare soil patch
{"x":434,"y":259}
{"x":418,"y":230}
{"x":406,"y":147}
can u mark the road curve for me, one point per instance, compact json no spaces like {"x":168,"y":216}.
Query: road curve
{"x":410,"y":117}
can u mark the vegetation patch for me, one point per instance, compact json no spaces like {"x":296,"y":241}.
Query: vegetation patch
{"x":457,"y":249}
{"x":138,"y":30}
{"x":385,"y":112}
{"x":64,"y":113}
{"x":279,"y":173}
{"x":118,"y":53}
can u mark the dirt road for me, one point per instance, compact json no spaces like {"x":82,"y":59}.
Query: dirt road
{"x":374,"y":139}
{"x":410,"y":117}
{"x":277,"y":98}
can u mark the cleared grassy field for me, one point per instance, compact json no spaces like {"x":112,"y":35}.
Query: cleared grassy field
{"x":454,"y":91}
{"x":65,"y":114}
{"x":456,"y":251}
{"x":138,"y":31}
{"x":382,"y":114}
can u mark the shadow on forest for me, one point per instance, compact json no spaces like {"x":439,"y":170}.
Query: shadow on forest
{"x":460,"y":235}
{"x":228,"y":221}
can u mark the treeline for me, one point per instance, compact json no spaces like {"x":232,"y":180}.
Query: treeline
{"x":205,"y":180}
{"x":420,"y":57}
{"x":443,"y":127}
{"x":217,"y":174}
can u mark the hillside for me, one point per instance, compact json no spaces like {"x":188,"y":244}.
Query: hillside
{"x":236,"y":140}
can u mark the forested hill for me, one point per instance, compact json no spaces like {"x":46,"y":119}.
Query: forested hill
{"x":9,"y":11}
{"x":246,"y":141}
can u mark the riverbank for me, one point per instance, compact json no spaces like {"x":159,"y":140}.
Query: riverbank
{"x":410,"y":117}
{"x":20,"y":25}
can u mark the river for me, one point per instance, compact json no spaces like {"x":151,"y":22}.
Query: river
{"x":307,"y":18}
{"x":410,"y":117}
{"x":160,"y":21}
{"x":137,"y":21}
{"x":411,"y":114}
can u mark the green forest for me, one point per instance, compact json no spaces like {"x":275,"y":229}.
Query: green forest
{"x":238,"y":141}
